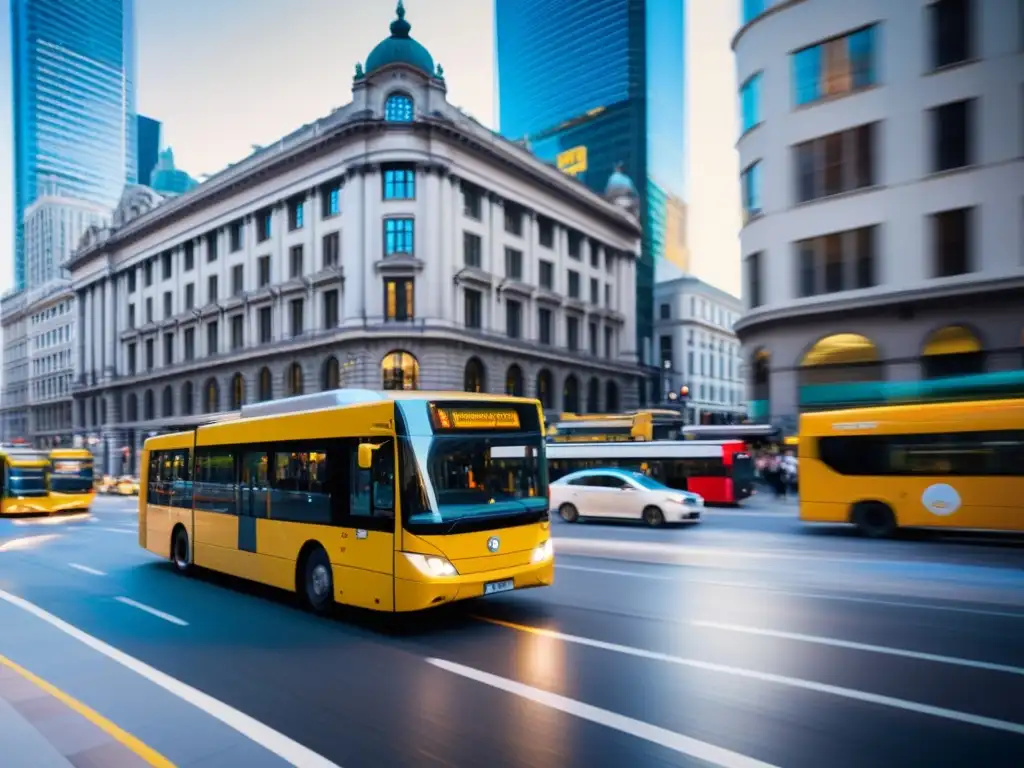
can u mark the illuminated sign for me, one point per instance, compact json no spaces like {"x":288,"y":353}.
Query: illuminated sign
{"x":450,"y":418}
{"x":572,"y":161}
{"x":67,"y":467}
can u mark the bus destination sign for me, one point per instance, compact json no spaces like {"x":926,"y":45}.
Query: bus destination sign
{"x":462,"y":418}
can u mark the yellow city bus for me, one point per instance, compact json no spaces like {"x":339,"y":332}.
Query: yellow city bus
{"x":648,"y":424}
{"x":72,"y":485}
{"x":23,"y":480}
{"x":381,"y":500}
{"x":941,"y":465}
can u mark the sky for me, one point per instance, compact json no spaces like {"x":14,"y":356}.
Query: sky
{"x":222,"y":75}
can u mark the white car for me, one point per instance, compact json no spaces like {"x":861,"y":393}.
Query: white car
{"x":624,"y":495}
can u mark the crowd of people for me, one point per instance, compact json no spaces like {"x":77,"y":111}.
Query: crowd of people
{"x":780,"y":471}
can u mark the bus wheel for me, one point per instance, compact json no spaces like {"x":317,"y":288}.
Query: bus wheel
{"x":180,"y":555}
{"x":318,"y":581}
{"x":653,"y":517}
{"x":874,"y":519}
{"x":569,"y":513}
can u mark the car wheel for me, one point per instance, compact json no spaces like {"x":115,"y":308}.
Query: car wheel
{"x":653,"y":517}
{"x":569,"y":513}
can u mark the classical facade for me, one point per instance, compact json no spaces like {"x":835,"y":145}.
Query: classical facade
{"x":883,"y":186}
{"x":698,"y":349}
{"x":395,"y":243}
{"x":39,"y":364}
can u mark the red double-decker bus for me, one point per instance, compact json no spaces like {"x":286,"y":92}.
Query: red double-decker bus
{"x":719,"y":470}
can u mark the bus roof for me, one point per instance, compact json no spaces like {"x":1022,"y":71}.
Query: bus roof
{"x":930,"y":417}
{"x":651,"y":449}
{"x":26,"y":457}
{"x":335,"y":398}
{"x":70,"y":453}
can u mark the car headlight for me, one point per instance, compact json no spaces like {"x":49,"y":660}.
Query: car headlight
{"x":543,"y":552}
{"x":431,"y":565}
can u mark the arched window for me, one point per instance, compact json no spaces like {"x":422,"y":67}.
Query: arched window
{"x":131,"y":409}
{"x":838,"y":370}
{"x":331,"y":374}
{"x":187,"y":399}
{"x":265,"y":387}
{"x":211,"y":396}
{"x":545,"y":388}
{"x":571,"y":394}
{"x":474,"y":378}
{"x":611,"y":397}
{"x":514,"y":381}
{"x":398,"y":108}
{"x":293,"y":379}
{"x":593,"y":395}
{"x":167,"y":409}
{"x":952,"y":351}
{"x":400,"y":370}
{"x":237,"y":392}
{"x":149,"y":405}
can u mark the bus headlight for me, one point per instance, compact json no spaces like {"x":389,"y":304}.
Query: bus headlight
{"x":431,"y":565}
{"x":543,"y":552}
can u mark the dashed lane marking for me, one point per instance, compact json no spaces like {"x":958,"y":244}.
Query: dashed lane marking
{"x":87,"y":569}
{"x":152,"y":611}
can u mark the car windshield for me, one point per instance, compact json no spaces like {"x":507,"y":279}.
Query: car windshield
{"x":478,"y":476}
{"x":27,"y":481}
{"x":71,"y":475}
{"x":648,"y":482}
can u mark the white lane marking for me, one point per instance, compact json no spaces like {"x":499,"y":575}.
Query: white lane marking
{"x":59,"y":520}
{"x":27,"y":542}
{"x":685,"y":745}
{"x":152,"y":611}
{"x":290,"y":751}
{"x":796,"y":593}
{"x":712,"y":512}
{"x":86,"y":569}
{"x":791,"y":682}
{"x":850,"y":645}
{"x":115,"y":530}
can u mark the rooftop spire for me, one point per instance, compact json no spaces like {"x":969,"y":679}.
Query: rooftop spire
{"x":400,"y":27}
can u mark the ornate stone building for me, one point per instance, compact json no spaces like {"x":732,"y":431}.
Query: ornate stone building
{"x":395,"y":243}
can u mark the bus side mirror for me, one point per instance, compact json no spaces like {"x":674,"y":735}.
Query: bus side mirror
{"x":365,"y":458}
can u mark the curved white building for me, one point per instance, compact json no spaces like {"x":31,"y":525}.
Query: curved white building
{"x":882,"y":157}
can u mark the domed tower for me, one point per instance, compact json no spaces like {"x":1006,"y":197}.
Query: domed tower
{"x":621,"y":191}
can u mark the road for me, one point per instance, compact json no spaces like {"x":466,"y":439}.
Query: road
{"x":747,"y":640}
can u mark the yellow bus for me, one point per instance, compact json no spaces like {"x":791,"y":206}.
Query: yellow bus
{"x":639,"y":426}
{"x":72,"y":484}
{"x":381,"y":500}
{"x":942,"y":465}
{"x":23,"y":480}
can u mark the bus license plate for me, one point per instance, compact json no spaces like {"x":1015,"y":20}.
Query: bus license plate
{"x":494,"y":587}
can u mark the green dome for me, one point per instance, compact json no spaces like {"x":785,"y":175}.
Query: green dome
{"x":400,"y":48}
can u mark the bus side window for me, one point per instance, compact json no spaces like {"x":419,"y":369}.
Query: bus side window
{"x":372,"y":491}
{"x":384,"y":480}
{"x":3,"y":477}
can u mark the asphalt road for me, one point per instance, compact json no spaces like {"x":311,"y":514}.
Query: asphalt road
{"x":747,"y":638}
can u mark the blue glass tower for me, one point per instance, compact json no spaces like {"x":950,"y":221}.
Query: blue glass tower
{"x":607,"y":75}
{"x":74,"y":102}
{"x":148,"y":153}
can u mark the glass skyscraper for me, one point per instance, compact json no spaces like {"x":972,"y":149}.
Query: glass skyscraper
{"x":148,"y":143}
{"x":607,"y":75}
{"x":74,"y":103}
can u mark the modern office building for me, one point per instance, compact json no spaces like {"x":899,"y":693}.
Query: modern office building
{"x":883,"y":188}
{"x":74,"y":103}
{"x":167,"y":179}
{"x":589,"y":85}
{"x":395,"y":243}
{"x":148,"y":147}
{"x":698,"y":349}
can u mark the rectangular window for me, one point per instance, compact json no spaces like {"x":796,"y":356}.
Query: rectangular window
{"x":834,"y":67}
{"x":330,"y":200}
{"x":190,"y":344}
{"x":149,"y":354}
{"x":574,"y":284}
{"x":952,"y":236}
{"x":399,"y":299}
{"x":750,"y":103}
{"x":168,"y":305}
{"x":752,"y":9}
{"x":835,"y":163}
{"x":575,"y":245}
{"x":190,"y":256}
{"x":296,"y":214}
{"x":609,"y":342}
{"x":751,"y":190}
{"x":399,"y":183}
{"x":513,"y":219}
{"x":472,"y":202}
{"x":211,"y":290}
{"x":237,"y":236}
{"x":263,"y":271}
{"x":166,"y":264}
{"x":592,"y":332}
{"x":330,"y":309}
{"x":148,"y":272}
{"x":237,"y":279}
{"x":513,"y":264}
{"x":295,"y":265}
{"x":212,"y":337}
{"x":215,"y":485}
{"x":595,"y":291}
{"x":149,"y":311}
{"x":754,"y":279}
{"x":132,"y":363}
{"x":839,"y":261}
{"x":665,"y":350}
{"x":131,"y":317}
{"x":331,"y":249}
{"x":545,"y":232}
{"x":472,"y":246}
{"x":297,"y":311}
{"x":951,"y":25}
{"x":546,"y":275}
{"x":572,"y":333}
{"x":514,"y":319}
{"x":398,"y":237}
{"x":264,"y":226}
{"x":237,"y":332}
{"x":266,"y":325}
{"x":131,"y":281}
{"x":952,"y":135}
{"x":473,"y":311}
{"x":665,"y":311}
{"x":544,"y":326}
{"x":608,"y":295}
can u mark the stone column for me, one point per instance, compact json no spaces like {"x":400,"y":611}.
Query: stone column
{"x":87,"y":328}
{"x":109,"y":328}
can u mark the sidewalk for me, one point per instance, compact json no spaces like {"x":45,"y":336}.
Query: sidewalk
{"x":39,"y":730}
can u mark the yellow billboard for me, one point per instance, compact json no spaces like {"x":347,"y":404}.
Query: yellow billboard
{"x":572,"y":161}
{"x":676,"y":250}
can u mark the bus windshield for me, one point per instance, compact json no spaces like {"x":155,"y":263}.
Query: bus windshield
{"x":469,"y":483}
{"x":71,"y":476}
{"x":27,"y":481}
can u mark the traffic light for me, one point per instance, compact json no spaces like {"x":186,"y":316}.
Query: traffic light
{"x":684,"y":392}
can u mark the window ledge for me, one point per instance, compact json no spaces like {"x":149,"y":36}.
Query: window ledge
{"x":835,"y":97}
{"x":839,"y":196}
{"x":946,"y":172}
{"x":749,"y":131}
{"x":950,"y":67}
